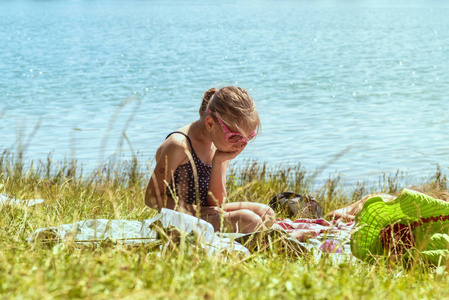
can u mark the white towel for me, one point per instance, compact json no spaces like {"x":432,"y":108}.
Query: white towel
{"x":10,"y":200}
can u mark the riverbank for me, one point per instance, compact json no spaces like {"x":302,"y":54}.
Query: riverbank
{"x":116,"y":192}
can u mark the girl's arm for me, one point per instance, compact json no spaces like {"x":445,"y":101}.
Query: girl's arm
{"x":168,"y":157}
{"x":217,"y":182}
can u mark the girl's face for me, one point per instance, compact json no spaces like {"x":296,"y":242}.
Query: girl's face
{"x":227,"y":139}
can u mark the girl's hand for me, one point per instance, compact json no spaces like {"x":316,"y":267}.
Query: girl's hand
{"x":221,"y":156}
{"x":192,"y":209}
{"x":209,"y":211}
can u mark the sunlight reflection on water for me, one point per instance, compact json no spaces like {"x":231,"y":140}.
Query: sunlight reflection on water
{"x":324,"y":76}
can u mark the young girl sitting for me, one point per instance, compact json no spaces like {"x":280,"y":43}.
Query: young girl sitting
{"x":191,"y":164}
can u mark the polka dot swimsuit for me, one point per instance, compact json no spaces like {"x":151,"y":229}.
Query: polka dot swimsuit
{"x":183,"y":183}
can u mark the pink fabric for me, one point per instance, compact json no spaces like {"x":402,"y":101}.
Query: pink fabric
{"x":318,"y":226}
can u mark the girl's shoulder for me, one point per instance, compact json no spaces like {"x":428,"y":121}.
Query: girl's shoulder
{"x":174,"y":145}
{"x":177,"y":139}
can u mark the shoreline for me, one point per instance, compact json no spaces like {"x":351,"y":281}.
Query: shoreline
{"x":273,"y":179}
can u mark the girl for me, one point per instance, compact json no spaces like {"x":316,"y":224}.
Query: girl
{"x":191,"y":164}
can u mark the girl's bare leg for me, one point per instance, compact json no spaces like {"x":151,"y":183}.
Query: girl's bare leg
{"x":242,"y":221}
{"x":348,"y":213}
{"x":265,"y":212}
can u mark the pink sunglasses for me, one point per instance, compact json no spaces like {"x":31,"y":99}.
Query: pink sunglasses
{"x":233,"y":137}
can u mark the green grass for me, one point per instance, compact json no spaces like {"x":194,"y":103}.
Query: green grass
{"x":36,"y":271}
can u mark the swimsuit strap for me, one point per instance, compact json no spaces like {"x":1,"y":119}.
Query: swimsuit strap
{"x":190,"y":142}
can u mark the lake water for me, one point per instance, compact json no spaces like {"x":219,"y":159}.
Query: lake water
{"x":369,"y":78}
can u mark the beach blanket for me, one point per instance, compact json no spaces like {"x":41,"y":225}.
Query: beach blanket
{"x":129,"y":232}
{"x":332,"y":237}
{"x":10,"y":200}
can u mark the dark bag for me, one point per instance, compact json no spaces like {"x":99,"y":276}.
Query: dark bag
{"x":296,"y":205}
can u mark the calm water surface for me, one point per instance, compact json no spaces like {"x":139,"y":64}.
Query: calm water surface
{"x":368,"y":77}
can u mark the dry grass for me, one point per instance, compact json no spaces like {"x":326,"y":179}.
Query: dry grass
{"x":116,"y":192}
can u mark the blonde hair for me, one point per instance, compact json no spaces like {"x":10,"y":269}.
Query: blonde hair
{"x":233,"y":105}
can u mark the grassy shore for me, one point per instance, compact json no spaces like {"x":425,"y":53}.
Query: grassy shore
{"x":34,"y":271}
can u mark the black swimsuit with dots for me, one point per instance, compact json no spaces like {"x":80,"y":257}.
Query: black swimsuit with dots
{"x":183,"y":183}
